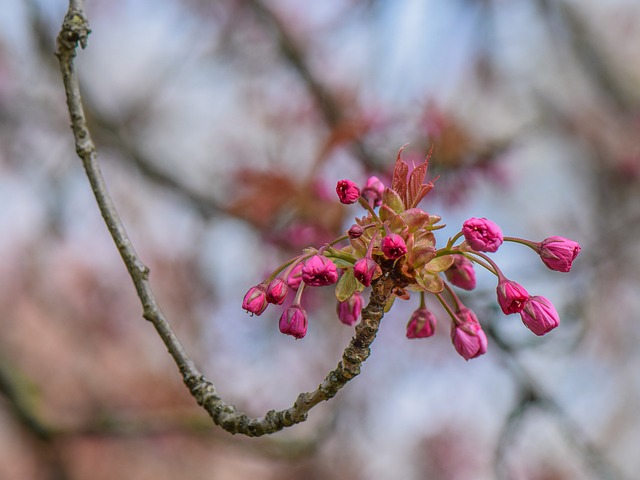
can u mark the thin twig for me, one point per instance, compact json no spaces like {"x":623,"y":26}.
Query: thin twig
{"x":75,"y":29}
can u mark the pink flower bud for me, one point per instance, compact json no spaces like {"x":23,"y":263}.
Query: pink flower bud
{"x":421,"y":324}
{"x":364,"y":270}
{"x":295,"y":277}
{"x":393,"y":246}
{"x":511,"y":296}
{"x":255,"y":300}
{"x":373,"y":190}
{"x":467,"y":336}
{"x":482,"y":235}
{"x":539,"y":315}
{"x":293,"y":321}
{"x":348,"y":192}
{"x":461,"y":273}
{"x":349,"y":311}
{"x":355,"y":231}
{"x":319,"y":271}
{"x":558,"y":253}
{"x":277,"y":291}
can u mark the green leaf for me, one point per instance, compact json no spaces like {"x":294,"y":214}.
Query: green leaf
{"x":346,"y":286}
{"x":341,"y":263}
{"x":389,"y":303}
{"x":439,"y":264}
{"x":392,"y":200}
{"x":415,"y":184}
{"x":433,"y":219}
{"x":430,"y":282}
{"x":386,"y":214}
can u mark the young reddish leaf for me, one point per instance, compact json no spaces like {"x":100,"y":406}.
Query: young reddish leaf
{"x":424,"y":189}
{"x":415,"y":219}
{"x":415,"y":184}
{"x":417,"y":188}
{"x":401,"y":293}
{"x":399,"y":180}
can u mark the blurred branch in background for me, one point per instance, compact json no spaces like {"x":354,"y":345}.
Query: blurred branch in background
{"x":533,"y":107}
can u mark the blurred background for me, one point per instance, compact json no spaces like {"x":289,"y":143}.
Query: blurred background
{"x":222,"y":127}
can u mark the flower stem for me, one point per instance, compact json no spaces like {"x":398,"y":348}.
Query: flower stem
{"x":532,"y":245}
{"x":367,"y":207}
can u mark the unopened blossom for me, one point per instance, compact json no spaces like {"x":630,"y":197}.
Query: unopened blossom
{"x":421,"y":324}
{"x":373,"y":190}
{"x":482,"y":235}
{"x":277,"y":291}
{"x":364,"y":270}
{"x":255,"y":300}
{"x":393,"y":246}
{"x":511,"y":296}
{"x":293,"y":321}
{"x":539,"y":315}
{"x":558,"y":253}
{"x":461,"y":273}
{"x":467,"y":335}
{"x":349,"y":311}
{"x":319,"y":271}
{"x":295,"y":277}
{"x":355,"y":231}
{"x":348,"y":192}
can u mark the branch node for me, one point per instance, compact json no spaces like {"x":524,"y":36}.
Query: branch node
{"x":75,"y":29}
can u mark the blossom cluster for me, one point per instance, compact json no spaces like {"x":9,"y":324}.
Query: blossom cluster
{"x":396,"y":238}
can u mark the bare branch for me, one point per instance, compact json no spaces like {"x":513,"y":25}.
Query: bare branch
{"x":75,"y":29}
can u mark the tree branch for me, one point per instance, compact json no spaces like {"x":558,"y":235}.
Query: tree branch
{"x":75,"y":29}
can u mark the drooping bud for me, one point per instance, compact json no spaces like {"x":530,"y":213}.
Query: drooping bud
{"x":539,"y":315}
{"x":355,"y":231}
{"x":255,"y":300}
{"x":349,"y":311}
{"x":461,"y":273}
{"x":319,"y":271}
{"x":467,"y":335}
{"x":373,"y":190}
{"x":348,"y":192}
{"x":393,"y":246}
{"x":482,"y":235}
{"x":277,"y":291}
{"x":422,"y":324}
{"x":364,"y":270}
{"x":295,"y":277}
{"x":293,"y":321}
{"x":511,"y":296}
{"x":558,"y":253}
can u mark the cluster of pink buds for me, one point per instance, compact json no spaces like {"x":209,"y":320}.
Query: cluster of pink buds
{"x":395,"y":238}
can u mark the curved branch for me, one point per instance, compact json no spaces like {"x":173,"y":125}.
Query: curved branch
{"x":75,"y":29}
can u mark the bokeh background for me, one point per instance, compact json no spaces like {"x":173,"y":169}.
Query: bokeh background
{"x":222,"y":127}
